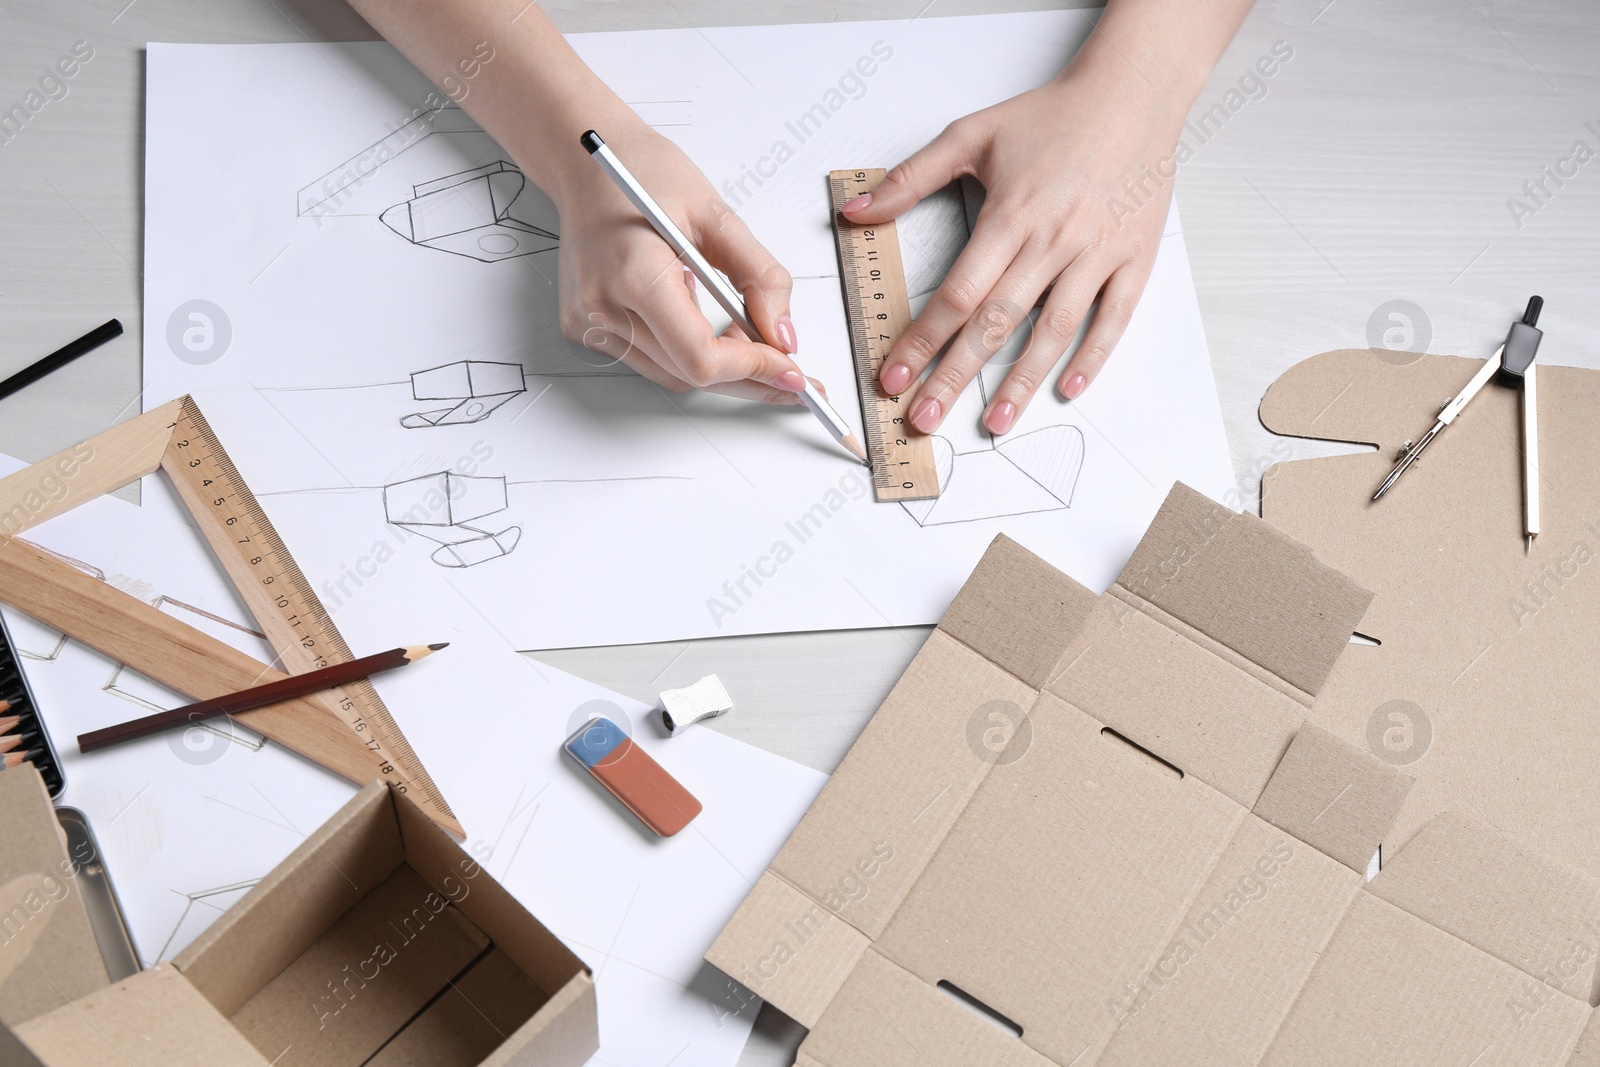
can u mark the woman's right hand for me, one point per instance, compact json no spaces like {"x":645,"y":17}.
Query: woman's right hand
{"x":626,"y":295}
{"x":623,"y":290}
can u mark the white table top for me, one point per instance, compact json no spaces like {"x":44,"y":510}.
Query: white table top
{"x":1380,"y":165}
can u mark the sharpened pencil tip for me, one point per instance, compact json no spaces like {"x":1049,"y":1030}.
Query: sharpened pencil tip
{"x":849,"y":441}
{"x":442,"y":644}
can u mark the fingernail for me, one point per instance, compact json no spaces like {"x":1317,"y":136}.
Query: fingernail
{"x":1000,"y":419}
{"x":786,"y":335}
{"x":926,"y":416}
{"x":1075,"y":386}
{"x":896,"y":376}
{"x":791,"y":380}
{"x":823,"y":389}
{"x":860,"y":203}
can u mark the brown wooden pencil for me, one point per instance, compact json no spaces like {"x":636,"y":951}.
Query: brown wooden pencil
{"x":296,"y":685}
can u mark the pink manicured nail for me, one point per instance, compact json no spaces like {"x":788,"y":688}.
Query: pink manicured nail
{"x":1075,"y":386}
{"x":926,"y":416}
{"x":860,"y":203}
{"x":786,"y":335}
{"x":1001,"y":418}
{"x":896,"y":376}
{"x":791,"y":380}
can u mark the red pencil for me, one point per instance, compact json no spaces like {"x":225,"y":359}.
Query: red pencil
{"x":296,"y":685}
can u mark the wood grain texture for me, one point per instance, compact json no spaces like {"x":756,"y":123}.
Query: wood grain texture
{"x":298,"y":628}
{"x":84,"y":471}
{"x":178,"y":656}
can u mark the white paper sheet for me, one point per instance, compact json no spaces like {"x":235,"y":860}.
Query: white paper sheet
{"x":341,"y":238}
{"x":189,"y":821}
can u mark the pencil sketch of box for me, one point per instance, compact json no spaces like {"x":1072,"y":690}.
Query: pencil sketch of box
{"x":474,"y":388}
{"x":441,"y":507}
{"x":488,"y":214}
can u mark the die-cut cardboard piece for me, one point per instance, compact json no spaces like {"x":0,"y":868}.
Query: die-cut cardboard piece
{"x":1484,"y":685}
{"x":1146,"y":853}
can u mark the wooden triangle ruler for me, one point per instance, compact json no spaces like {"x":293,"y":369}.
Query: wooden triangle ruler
{"x":346,"y":730}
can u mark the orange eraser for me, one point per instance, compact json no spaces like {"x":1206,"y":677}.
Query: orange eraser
{"x":628,"y":772}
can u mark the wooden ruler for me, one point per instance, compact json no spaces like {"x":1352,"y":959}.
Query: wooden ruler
{"x":879,"y":311}
{"x":348,"y":730}
{"x":285,"y":606}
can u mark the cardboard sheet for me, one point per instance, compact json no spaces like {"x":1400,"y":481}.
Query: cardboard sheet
{"x":1147,"y":853}
{"x":361,"y":291}
{"x":1483,"y":684}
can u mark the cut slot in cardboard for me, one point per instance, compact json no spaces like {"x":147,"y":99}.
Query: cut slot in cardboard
{"x":1101,"y":831}
{"x":377,"y":941}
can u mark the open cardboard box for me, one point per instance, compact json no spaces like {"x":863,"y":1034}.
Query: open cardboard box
{"x":378,"y":941}
{"x":1101,"y":831}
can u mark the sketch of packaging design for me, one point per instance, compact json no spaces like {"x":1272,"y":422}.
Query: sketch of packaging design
{"x":442,"y":507}
{"x":475,"y":389}
{"x":486,"y":210}
{"x":345,"y":189}
{"x":489,"y":213}
{"x":127,"y":684}
{"x":980,"y":478}
{"x":472,"y":390}
{"x":481,"y":207}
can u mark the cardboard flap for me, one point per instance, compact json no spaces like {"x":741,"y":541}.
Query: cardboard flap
{"x":1171,"y":695}
{"x":788,"y":949}
{"x":927,"y":1026}
{"x":1334,"y":797}
{"x":1017,"y":611}
{"x":1587,"y":1054}
{"x":47,"y":947}
{"x":1246,"y":586}
{"x":287,"y":911}
{"x":1529,"y":911}
{"x":523,"y":938}
{"x":154,"y":1019}
{"x":1389,"y":990}
{"x":13,"y":1053}
{"x":884,"y":812}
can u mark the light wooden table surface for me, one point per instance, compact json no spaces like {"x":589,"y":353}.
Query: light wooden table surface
{"x":1383,"y":163}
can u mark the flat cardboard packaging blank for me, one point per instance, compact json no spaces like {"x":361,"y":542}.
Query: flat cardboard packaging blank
{"x":1484,"y":684}
{"x":378,"y":941}
{"x":1101,"y":831}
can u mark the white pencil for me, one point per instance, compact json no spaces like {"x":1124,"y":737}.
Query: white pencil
{"x":725,"y":294}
